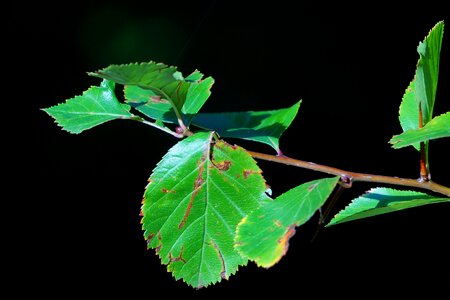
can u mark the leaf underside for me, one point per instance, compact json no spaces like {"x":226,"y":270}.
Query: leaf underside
{"x":95,"y":106}
{"x":195,"y":198}
{"x":260,"y":126}
{"x":438,"y":127}
{"x":379,"y":201}
{"x":263,"y":236}
{"x":149,"y":103}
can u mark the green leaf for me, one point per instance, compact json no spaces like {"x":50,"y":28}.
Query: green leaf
{"x":184,"y":95}
{"x":149,"y":103}
{"x":196,"y":97}
{"x":260,"y":126}
{"x":409,"y":111}
{"x":437,"y":128}
{"x":263,"y":236}
{"x":427,"y":72}
{"x":379,"y":201}
{"x":97,"y":105}
{"x":197,"y":195}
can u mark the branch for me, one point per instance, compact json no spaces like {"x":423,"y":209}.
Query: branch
{"x":354,"y":176}
{"x":163,"y":128}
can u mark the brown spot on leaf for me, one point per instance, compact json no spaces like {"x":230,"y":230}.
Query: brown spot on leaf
{"x":313,"y":186}
{"x":277,"y":223}
{"x":249,"y":172}
{"x":197,"y":186}
{"x":223,"y":272}
{"x":149,"y":180}
{"x":178,"y":258}
{"x":158,"y":248}
{"x":223,"y":166}
{"x":158,"y":99}
{"x":150,"y":236}
{"x":166,"y":191}
{"x":284,"y":240}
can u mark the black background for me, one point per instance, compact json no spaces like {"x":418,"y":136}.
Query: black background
{"x":79,"y":195}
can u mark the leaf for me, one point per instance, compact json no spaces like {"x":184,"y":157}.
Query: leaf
{"x":437,"y":128}
{"x":196,"y":97}
{"x":379,"y":201}
{"x":197,"y":195}
{"x":149,"y":103}
{"x":409,"y":111}
{"x":263,"y":236}
{"x":260,"y":126}
{"x":166,"y":82}
{"x":427,"y":72}
{"x":97,"y":105}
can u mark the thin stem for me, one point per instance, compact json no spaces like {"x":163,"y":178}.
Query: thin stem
{"x":163,"y":128}
{"x":354,"y":176}
{"x":424,"y":171}
{"x":323,"y":216}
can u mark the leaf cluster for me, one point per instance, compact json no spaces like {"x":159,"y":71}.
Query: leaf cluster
{"x":207,"y":208}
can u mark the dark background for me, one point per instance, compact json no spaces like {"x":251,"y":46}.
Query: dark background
{"x":80,"y":195}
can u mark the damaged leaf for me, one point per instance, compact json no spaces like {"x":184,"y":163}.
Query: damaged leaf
{"x":185,"y":95}
{"x":195,"y":198}
{"x":263,"y":236}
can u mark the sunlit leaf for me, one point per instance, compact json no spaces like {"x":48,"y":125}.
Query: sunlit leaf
{"x":195,"y":198}
{"x":409,"y":111}
{"x":260,"y":126}
{"x":427,"y":72}
{"x":437,"y":128}
{"x":197,"y":95}
{"x":97,"y":105}
{"x":379,"y":201}
{"x":185,"y":95}
{"x":263,"y":236}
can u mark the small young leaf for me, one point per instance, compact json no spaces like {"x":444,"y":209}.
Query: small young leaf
{"x":97,"y":105}
{"x":196,"y":97}
{"x":195,"y":198}
{"x":427,"y":72}
{"x":260,"y":126}
{"x":166,"y":82}
{"x":438,"y":127}
{"x":409,"y":111}
{"x":379,"y":201}
{"x":263,"y":236}
{"x":149,"y":103}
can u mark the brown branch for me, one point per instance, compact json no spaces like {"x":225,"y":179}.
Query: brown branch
{"x":354,"y":176}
